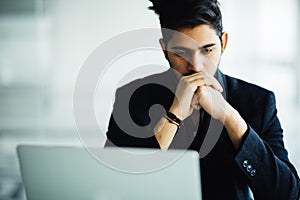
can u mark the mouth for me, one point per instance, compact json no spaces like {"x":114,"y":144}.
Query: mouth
{"x":189,"y":73}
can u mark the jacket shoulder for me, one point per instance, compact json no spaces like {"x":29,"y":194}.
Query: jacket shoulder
{"x":238,"y":87}
{"x":255,"y":104}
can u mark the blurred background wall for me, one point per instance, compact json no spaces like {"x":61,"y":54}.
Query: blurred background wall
{"x":44,"y":43}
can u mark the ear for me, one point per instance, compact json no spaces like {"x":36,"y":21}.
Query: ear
{"x":224,"y":41}
{"x":163,"y":47}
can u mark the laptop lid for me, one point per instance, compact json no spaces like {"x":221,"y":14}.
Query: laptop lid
{"x":53,"y":173}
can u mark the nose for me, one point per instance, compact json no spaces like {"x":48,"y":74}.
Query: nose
{"x":195,"y":62}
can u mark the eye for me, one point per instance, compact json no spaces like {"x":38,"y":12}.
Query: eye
{"x":180,"y":53}
{"x":206,"y":51}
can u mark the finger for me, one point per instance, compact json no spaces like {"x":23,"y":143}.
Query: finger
{"x":203,"y":78}
{"x":195,"y":103}
{"x":194,"y":76}
{"x":207,"y":82}
{"x":215,"y":84}
{"x":213,"y":81}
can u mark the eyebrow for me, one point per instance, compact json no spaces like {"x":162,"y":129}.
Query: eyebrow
{"x":207,"y":45}
{"x":184,"y":48}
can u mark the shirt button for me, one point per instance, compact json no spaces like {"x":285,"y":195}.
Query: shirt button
{"x":249,"y":168}
{"x":253,"y":172}
{"x":245,"y":163}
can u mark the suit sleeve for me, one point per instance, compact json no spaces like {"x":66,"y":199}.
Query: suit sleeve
{"x":130,"y":124}
{"x":120,"y":138}
{"x":263,"y":159}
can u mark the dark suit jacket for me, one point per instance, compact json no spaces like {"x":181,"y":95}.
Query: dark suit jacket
{"x":260,"y":163}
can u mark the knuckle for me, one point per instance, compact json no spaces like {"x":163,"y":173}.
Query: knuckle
{"x":201,"y":90}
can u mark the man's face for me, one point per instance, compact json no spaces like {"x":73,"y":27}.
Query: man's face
{"x":195,"y":49}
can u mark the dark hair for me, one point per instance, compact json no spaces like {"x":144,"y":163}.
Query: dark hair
{"x":176,"y":14}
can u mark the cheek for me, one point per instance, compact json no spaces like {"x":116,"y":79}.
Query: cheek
{"x":211,"y":64}
{"x":179,"y":63}
{"x":216,"y":57}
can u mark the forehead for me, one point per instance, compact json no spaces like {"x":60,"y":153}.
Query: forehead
{"x":194,"y":37}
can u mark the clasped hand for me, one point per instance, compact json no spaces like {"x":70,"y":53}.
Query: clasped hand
{"x":199,"y":90}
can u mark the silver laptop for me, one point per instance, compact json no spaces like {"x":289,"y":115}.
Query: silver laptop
{"x":71,"y":173}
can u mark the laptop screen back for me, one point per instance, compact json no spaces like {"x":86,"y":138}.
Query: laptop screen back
{"x":71,"y":173}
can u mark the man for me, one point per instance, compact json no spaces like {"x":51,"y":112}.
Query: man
{"x":233,"y":124}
